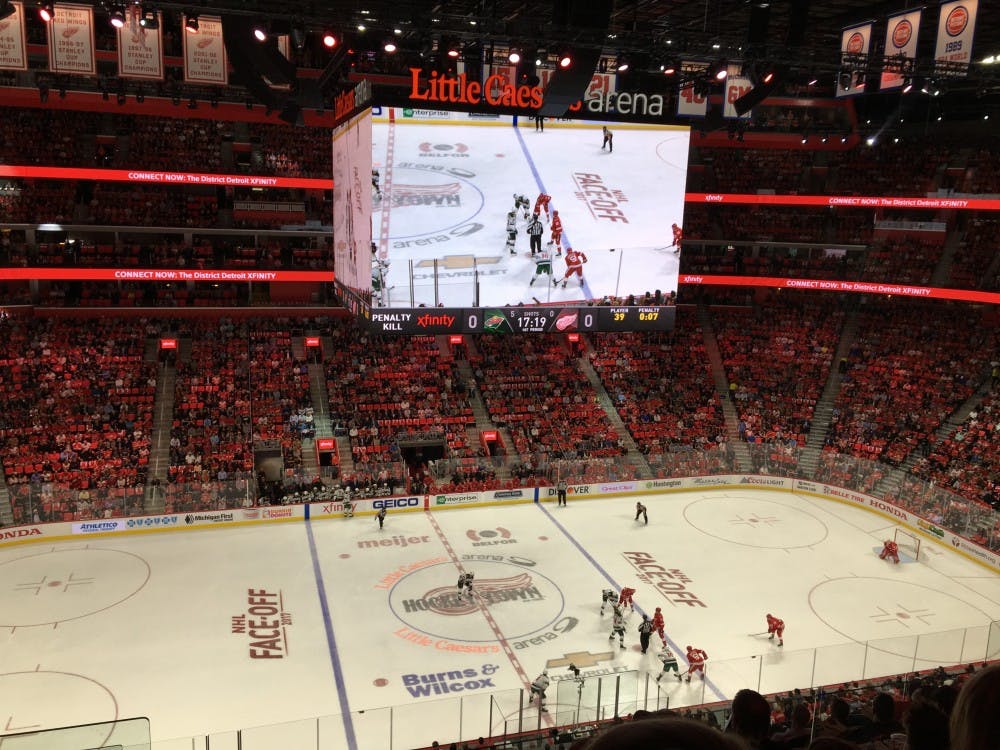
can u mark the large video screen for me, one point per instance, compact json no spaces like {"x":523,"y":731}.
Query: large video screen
{"x":444,"y":185}
{"x":352,"y":223}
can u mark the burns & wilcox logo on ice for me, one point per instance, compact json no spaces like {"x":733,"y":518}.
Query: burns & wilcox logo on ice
{"x":265,"y":623}
{"x":489,"y":537}
{"x":453,"y":681}
{"x":603,"y":202}
{"x":672,"y":584}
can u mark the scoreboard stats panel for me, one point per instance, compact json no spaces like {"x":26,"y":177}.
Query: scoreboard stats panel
{"x":513,"y":320}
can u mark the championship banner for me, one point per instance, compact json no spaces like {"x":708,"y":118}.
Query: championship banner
{"x":71,"y":39}
{"x":956,"y":28}
{"x":736,"y":86}
{"x":205,"y":53}
{"x":690,"y":103}
{"x":13,"y":50}
{"x":900,"y":48}
{"x":855,"y":42}
{"x":140,"y":49}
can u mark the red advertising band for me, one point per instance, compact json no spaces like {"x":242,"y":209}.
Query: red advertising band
{"x":311,"y":183}
{"x":857,"y":287}
{"x":164,"y":178}
{"x":164,"y":275}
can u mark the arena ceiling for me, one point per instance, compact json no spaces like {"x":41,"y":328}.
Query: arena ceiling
{"x":649,"y":30}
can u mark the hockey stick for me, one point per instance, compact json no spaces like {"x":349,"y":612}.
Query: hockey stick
{"x":756,"y":634}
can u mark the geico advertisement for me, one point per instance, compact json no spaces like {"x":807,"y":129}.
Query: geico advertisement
{"x":367,"y":505}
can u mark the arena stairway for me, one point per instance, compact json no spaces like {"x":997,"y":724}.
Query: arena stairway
{"x":823,"y":410}
{"x":729,"y":414}
{"x":163,"y":419}
{"x":6,"y":512}
{"x":634,"y":455}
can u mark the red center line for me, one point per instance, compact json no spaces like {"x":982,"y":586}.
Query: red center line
{"x":515,"y":662}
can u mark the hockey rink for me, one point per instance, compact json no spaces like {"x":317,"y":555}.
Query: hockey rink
{"x":206,"y":632}
{"x":448,"y":184}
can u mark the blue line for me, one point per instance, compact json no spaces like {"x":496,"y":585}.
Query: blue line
{"x":603,"y":572}
{"x":541,"y":187}
{"x":331,"y":642}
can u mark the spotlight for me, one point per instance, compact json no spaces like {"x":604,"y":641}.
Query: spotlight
{"x":149,"y":20}
{"x":768,"y":77}
{"x":805,"y":138}
{"x":907,"y":85}
{"x":668,"y":70}
{"x":813,"y":81}
{"x":45,"y":11}
{"x":843,"y":139}
{"x":6,"y":9}
{"x":389,"y":47}
{"x":565,"y":60}
{"x":453,"y":52}
{"x":719,"y":70}
{"x":823,"y":139}
{"x":191,"y":24}
{"x":118,"y":18}
{"x":870,"y":140}
{"x":260,"y":33}
{"x":622,"y":64}
{"x":140,"y":95}
{"x":720,"y":74}
{"x":329,"y":40}
{"x":514,"y":56}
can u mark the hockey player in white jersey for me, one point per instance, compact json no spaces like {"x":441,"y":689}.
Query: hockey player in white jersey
{"x":618,"y":627}
{"x":511,"y":232}
{"x":522,"y":204}
{"x":609,"y":598}
{"x":543,"y":264}
{"x":538,"y":687}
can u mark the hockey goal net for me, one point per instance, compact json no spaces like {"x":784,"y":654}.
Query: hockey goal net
{"x":908,"y":543}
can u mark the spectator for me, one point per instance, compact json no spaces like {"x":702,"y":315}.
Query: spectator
{"x":662,"y":733}
{"x":975,"y":720}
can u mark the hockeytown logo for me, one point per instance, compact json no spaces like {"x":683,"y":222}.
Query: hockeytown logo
{"x":444,"y":600}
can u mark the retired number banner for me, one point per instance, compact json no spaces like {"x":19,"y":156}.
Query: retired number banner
{"x":855,"y":42}
{"x":900,"y":48}
{"x":13,"y":50}
{"x":140,"y":50}
{"x":956,"y":28}
{"x":71,"y":39}
{"x":689,"y":102}
{"x":205,"y":53}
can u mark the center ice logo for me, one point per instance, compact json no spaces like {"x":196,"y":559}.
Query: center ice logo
{"x":520,"y":601}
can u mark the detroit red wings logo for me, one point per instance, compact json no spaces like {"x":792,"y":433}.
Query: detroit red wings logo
{"x":444,"y":600}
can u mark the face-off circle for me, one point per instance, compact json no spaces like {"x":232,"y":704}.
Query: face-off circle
{"x":521,"y":601}
{"x":52,"y":587}
{"x":890,"y":615}
{"x":28,"y":706}
{"x":755,"y":522}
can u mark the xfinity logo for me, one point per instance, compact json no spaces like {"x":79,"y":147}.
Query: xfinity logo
{"x":436,"y":320}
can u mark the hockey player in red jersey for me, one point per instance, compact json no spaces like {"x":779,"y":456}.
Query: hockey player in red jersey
{"x":574,"y":265}
{"x":557,"y":229}
{"x":658,"y":626}
{"x":542,"y":202}
{"x":678,"y":236}
{"x":776,"y":627}
{"x":696,"y":659}
{"x":625,"y":598}
{"x":890,"y":550}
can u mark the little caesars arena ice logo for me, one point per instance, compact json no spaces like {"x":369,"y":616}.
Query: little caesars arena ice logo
{"x":523,"y":603}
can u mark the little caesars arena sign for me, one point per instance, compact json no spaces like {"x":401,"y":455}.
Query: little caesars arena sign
{"x":497,"y":92}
